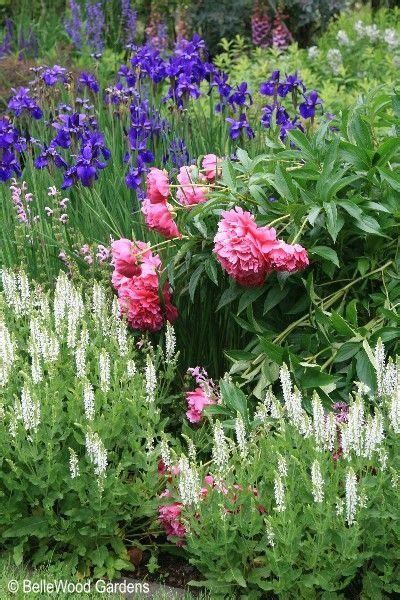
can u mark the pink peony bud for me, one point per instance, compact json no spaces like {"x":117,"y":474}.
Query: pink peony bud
{"x":157,"y":185}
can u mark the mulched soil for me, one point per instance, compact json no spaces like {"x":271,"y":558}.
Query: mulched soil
{"x":174,"y":571}
{"x":13,"y":73}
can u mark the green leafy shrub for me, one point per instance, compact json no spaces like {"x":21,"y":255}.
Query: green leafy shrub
{"x":78,"y":476}
{"x":357,"y":53}
{"x":298,"y":501}
{"x":335,"y":192}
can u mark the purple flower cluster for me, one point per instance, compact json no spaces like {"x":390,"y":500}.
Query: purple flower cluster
{"x":145,"y":125}
{"x":53,"y":75}
{"x":129,"y":19}
{"x":73,"y":26}
{"x":276,"y":114}
{"x":89,"y":81}
{"x":20,"y":197}
{"x":240,"y":126}
{"x":25,"y":43}
{"x":95,"y":23}
{"x":22,"y":103}
{"x":87,"y":32}
{"x":77,"y":131}
{"x":177,"y":154}
{"x":12,"y":145}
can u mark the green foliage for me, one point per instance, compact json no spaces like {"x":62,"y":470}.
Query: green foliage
{"x":78,"y":477}
{"x":335,"y":191}
{"x":287,"y":512}
{"x":365,"y":63}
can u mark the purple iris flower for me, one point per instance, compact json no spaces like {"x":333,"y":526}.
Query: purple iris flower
{"x":269,"y":88}
{"x":240,"y":95}
{"x":221,"y":83}
{"x":239,"y":126}
{"x":50,"y":154}
{"x":88,"y":80}
{"x":282,"y":116}
{"x":307,"y":109}
{"x":128,"y":74}
{"x":134,"y":177}
{"x":8,"y":165}
{"x":11,"y":145}
{"x":291,"y":84}
{"x":22,"y":102}
{"x":266,"y":117}
{"x":53,"y":75}
{"x":86,"y":168}
{"x":177,"y":153}
{"x":289,"y":125}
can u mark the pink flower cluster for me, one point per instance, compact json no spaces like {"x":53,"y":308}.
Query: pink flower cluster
{"x":204,"y":395}
{"x":158,"y":213}
{"x":169,"y":517}
{"x":248,"y":253}
{"x":136,"y":280}
{"x":191,"y":191}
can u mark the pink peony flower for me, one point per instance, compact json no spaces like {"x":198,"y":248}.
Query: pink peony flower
{"x":197,"y":400}
{"x":119,"y":280}
{"x":126,"y":256}
{"x":287,"y":257}
{"x":158,"y":217}
{"x":139,"y":297}
{"x":157,"y":185}
{"x":240,"y":247}
{"x":190,"y":192}
{"x":140,"y":302}
{"x":211,"y":165}
{"x":248,"y":252}
{"x":169,"y":517}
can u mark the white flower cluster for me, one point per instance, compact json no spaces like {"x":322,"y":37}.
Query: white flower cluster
{"x":96,"y":452}
{"x":88,"y":400}
{"x":30,"y":410}
{"x":293,"y":404}
{"x":343,"y":38}
{"x":17,"y":293}
{"x":188,"y":483}
{"x":170,"y":342}
{"x":351,"y":500}
{"x":374,"y":34}
{"x":313,"y":52}
{"x":324,"y":426}
{"x":241,"y":439}
{"x":317,"y":482}
{"x":73,"y":464}
{"x":335,"y":60}
{"x":7,"y":354}
{"x":220,"y":450}
{"x":104,"y":370}
{"x":151,"y":380}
